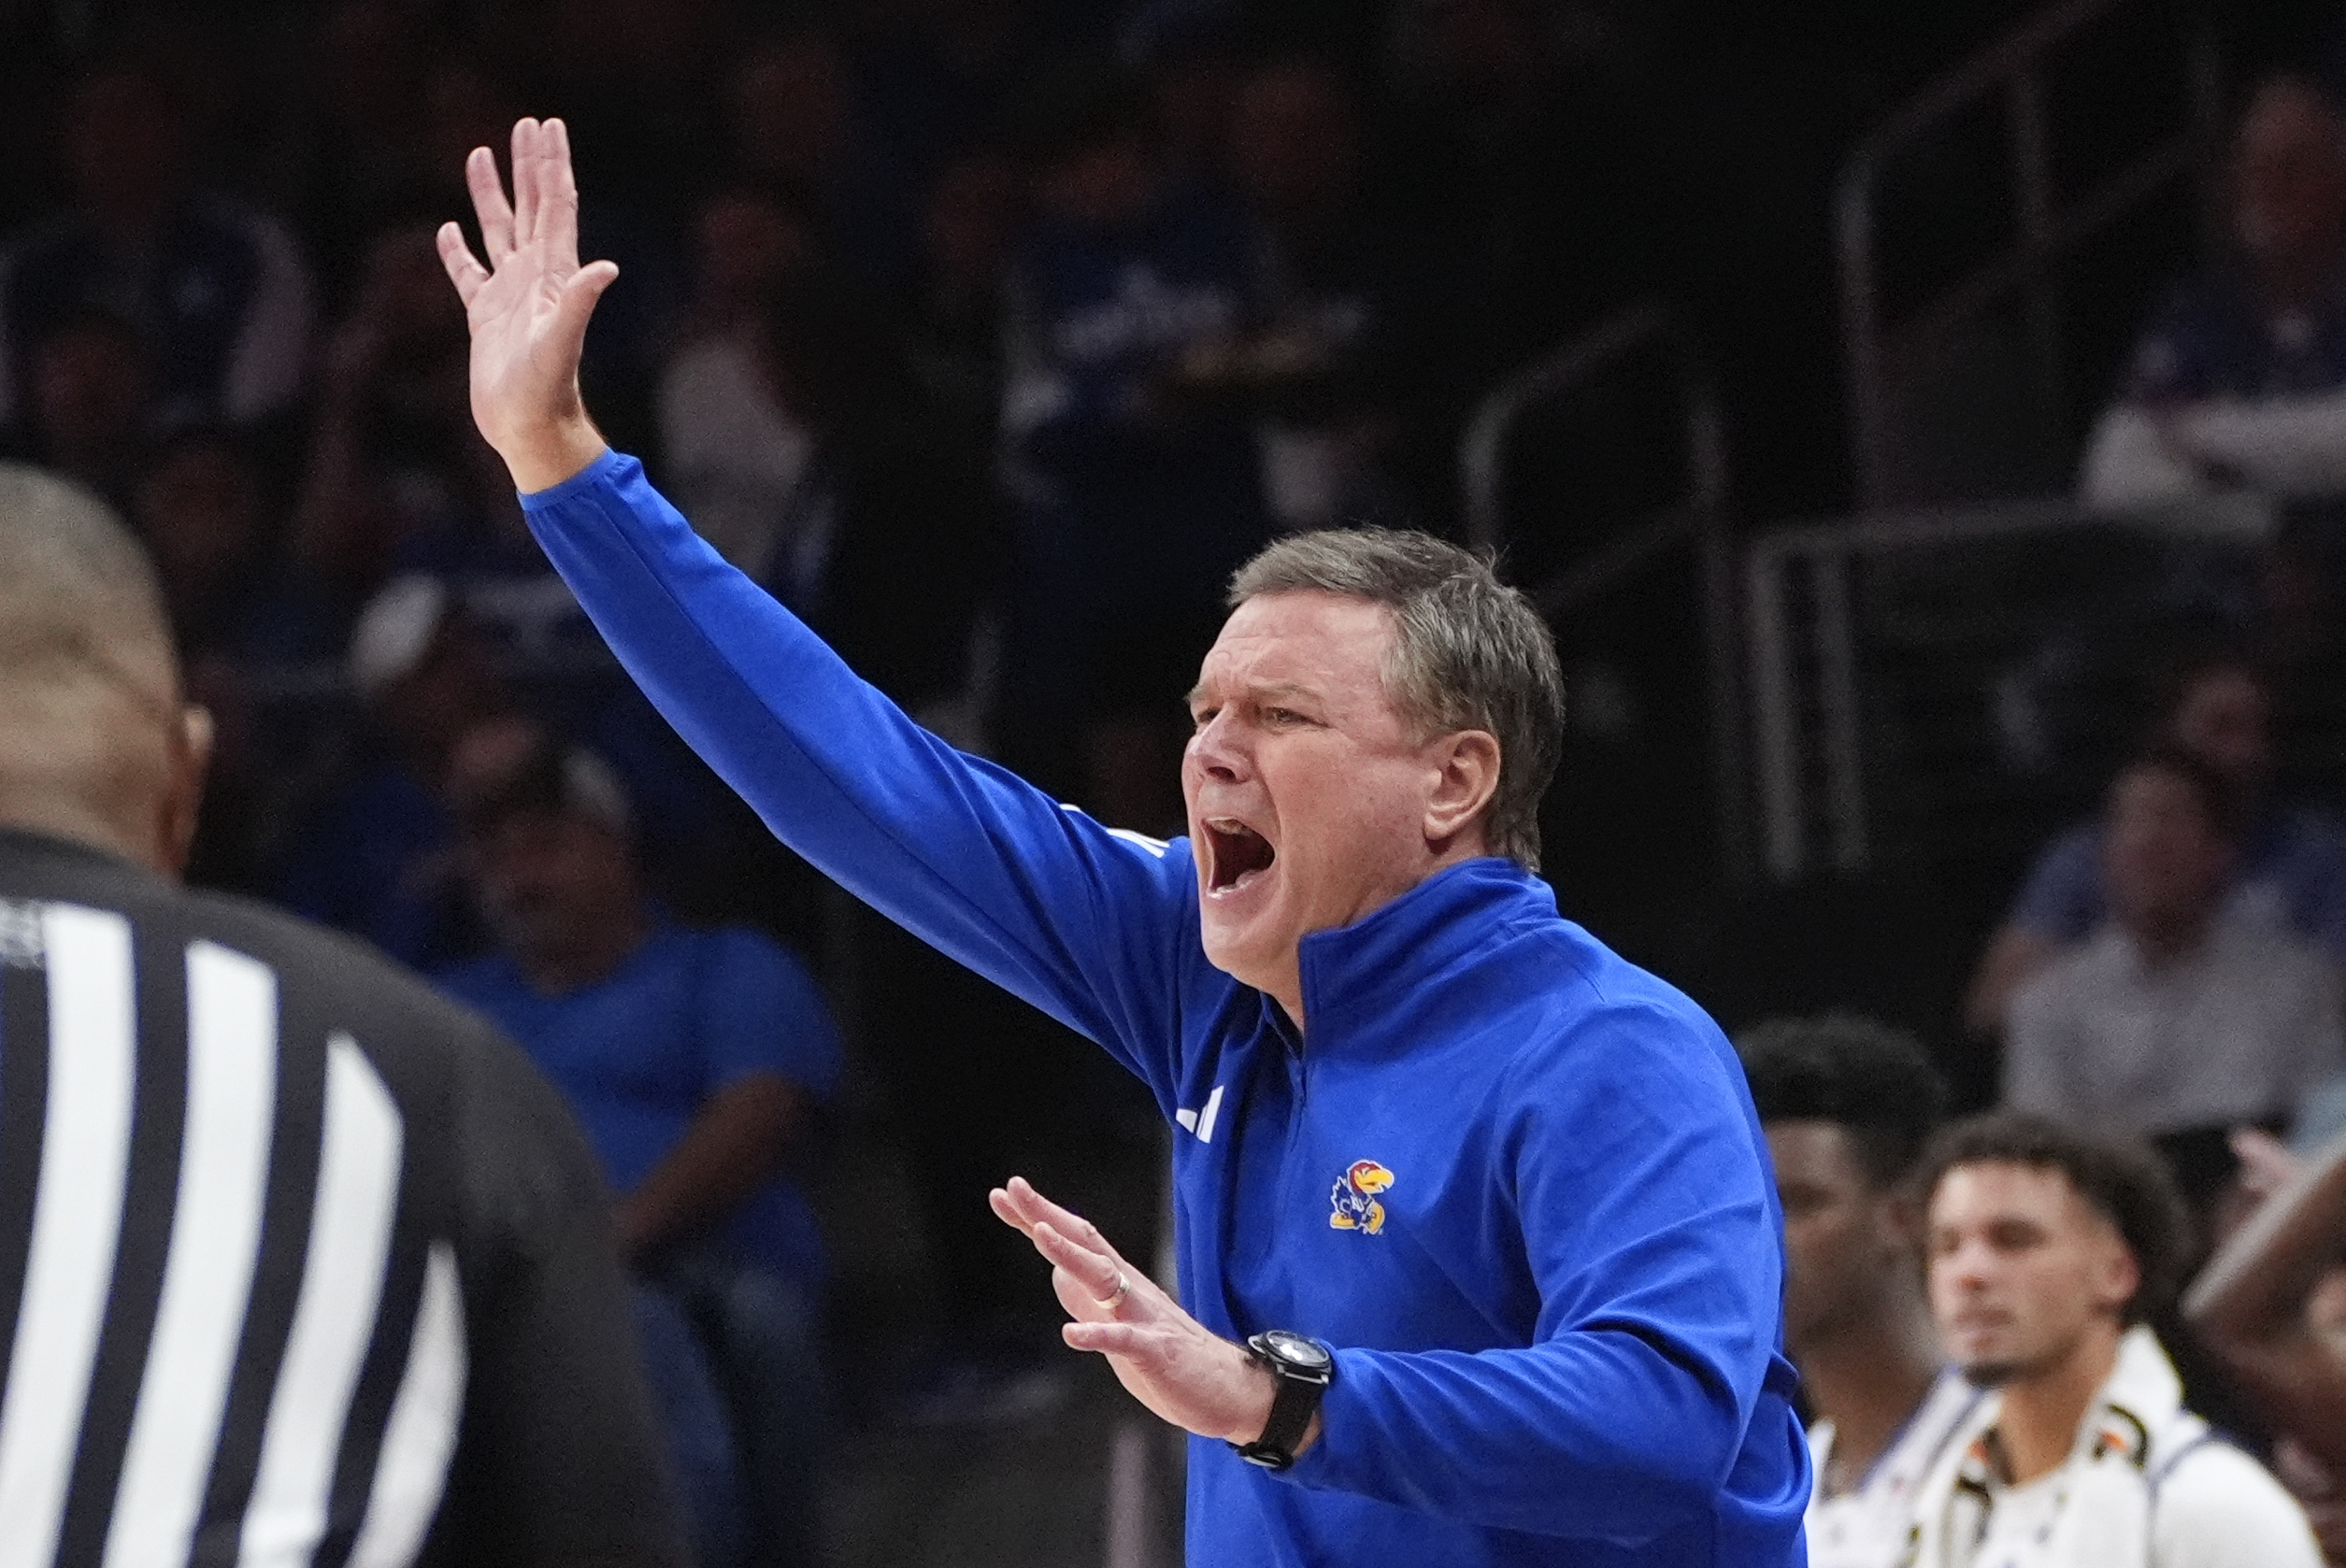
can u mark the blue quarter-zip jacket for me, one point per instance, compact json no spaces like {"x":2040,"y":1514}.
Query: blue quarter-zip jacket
{"x":1513,"y":1180}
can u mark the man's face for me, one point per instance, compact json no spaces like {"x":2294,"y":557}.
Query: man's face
{"x":1292,"y":139}
{"x":2165,"y":863}
{"x":200,"y":512}
{"x":2225,"y":719}
{"x":2289,"y":174}
{"x":545,"y":878}
{"x":1844,"y":1238}
{"x":2022,"y":1268}
{"x":89,"y":389}
{"x":1307,"y":793}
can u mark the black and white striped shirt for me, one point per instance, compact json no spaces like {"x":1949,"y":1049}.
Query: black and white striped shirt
{"x":299,"y":1263}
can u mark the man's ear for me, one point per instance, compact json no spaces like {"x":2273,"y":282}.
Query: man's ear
{"x":1468,"y":776}
{"x":180,"y":807}
{"x":2117,"y":1274}
{"x":1898,"y":1220}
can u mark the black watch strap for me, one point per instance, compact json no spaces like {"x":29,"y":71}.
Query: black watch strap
{"x":1304,"y":1369}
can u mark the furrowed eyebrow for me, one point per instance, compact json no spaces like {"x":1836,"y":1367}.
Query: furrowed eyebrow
{"x":1277,"y":690}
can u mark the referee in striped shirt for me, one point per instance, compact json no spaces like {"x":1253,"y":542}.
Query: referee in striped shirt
{"x":299,"y":1264}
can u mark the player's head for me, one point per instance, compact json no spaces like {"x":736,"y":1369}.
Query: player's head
{"x":1378,"y":706}
{"x":96,"y":743}
{"x":1847,"y":1105}
{"x":2044,"y":1240}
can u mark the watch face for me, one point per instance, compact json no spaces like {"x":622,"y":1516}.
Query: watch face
{"x":1295,"y":1350}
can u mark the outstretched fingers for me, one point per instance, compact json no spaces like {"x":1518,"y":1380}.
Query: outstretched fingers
{"x":1140,"y":1342}
{"x":558,"y":194}
{"x":1099,"y":1275}
{"x":488,"y":205}
{"x":463,"y":269}
{"x":527,"y":177}
{"x":1028,"y":1208}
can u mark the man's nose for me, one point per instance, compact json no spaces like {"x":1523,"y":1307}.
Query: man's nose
{"x":1217,"y":751}
{"x":1967,"y":1264}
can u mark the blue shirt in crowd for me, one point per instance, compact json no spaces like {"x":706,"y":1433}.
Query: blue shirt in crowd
{"x":1514,"y":1182}
{"x":2291,"y":877}
{"x":2215,"y":338}
{"x":640,"y":1052}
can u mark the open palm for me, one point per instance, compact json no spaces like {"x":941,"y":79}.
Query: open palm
{"x":1184,"y":1372}
{"x":527,"y":307}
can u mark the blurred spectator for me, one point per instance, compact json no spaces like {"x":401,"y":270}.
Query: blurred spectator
{"x":940,"y":73}
{"x":797,"y":125}
{"x":362,"y":148}
{"x":400,"y":482}
{"x":2178,"y":1020}
{"x":253,"y":641}
{"x":1138,"y":490}
{"x":887,"y":545}
{"x":2289,"y":872}
{"x":88,"y":408}
{"x":205,"y":508}
{"x":2271,"y":1306}
{"x":375,"y":850}
{"x":969,"y":218}
{"x":387,"y":441}
{"x":636,"y":79}
{"x":400,"y":486}
{"x":2049,"y":1250}
{"x":1327,"y":297}
{"x":216,"y":289}
{"x":1847,"y":1105}
{"x":887,"y":540}
{"x":1191,"y":64}
{"x":733,"y":454}
{"x":2240,"y":381}
{"x":695,"y":1061}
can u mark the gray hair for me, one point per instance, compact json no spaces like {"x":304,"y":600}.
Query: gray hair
{"x":1467,"y":652}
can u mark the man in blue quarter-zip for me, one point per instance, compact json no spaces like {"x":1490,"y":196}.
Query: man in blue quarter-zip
{"x":1480,"y":1257}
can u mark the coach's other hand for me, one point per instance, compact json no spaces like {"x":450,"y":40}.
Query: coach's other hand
{"x":528,"y":307}
{"x":1167,"y":1358}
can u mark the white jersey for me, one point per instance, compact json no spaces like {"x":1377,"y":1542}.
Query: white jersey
{"x":1872,"y":1524}
{"x":2147,"y":1486}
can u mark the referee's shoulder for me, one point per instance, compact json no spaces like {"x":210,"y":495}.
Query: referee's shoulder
{"x":392,"y":1014}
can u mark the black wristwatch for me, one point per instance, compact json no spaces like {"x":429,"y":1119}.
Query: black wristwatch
{"x":1304,"y":1369}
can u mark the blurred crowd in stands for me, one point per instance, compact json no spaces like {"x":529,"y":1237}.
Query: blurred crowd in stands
{"x":990,"y":335}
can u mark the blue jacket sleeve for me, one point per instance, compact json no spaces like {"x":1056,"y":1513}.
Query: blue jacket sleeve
{"x":1651,"y":1396}
{"x":1095,"y":927}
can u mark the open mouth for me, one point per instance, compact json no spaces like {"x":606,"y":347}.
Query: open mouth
{"x":1240,"y":855}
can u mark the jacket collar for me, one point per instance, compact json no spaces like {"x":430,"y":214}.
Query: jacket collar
{"x":2140,"y":1398}
{"x":1369,"y":968}
{"x":2143,"y":1383}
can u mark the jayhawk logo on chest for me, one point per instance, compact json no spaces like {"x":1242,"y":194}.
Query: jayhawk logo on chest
{"x":1355,"y":1198}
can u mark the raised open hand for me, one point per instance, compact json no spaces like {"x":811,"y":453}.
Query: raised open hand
{"x":1168,"y":1361}
{"x":528,"y":307}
